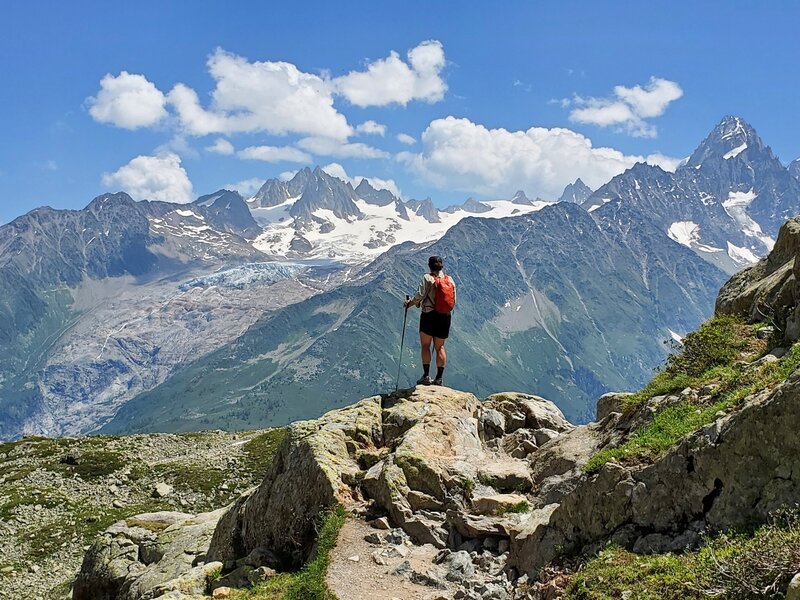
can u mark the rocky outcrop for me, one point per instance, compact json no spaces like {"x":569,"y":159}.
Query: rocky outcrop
{"x":729,"y":474}
{"x":425,"y":460}
{"x":148,"y":556}
{"x":769,"y":290}
{"x":315,"y":468}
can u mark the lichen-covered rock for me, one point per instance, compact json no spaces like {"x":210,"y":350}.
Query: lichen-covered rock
{"x":315,"y":468}
{"x":730,"y":474}
{"x":147,"y":556}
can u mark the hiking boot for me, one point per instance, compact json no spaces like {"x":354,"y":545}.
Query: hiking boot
{"x":437,"y":381}
{"x":424,"y":380}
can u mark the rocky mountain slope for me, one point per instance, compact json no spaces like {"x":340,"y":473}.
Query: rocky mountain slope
{"x":56,"y":495}
{"x":725,"y":203}
{"x":105,"y":304}
{"x":504,"y":498}
{"x":542,"y":298}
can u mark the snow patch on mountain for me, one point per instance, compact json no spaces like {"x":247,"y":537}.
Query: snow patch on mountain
{"x":741,"y":256}
{"x":735,"y":152}
{"x":684,"y":232}
{"x":351,"y":239}
{"x":736,"y":206}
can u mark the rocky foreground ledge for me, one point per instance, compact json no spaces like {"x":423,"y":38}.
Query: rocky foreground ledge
{"x":496,"y":489}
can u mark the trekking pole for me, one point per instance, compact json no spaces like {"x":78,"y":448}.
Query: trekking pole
{"x":402,"y":341}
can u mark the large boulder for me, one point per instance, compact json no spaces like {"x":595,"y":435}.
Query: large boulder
{"x":315,"y":468}
{"x":769,"y":290}
{"x":149,"y":555}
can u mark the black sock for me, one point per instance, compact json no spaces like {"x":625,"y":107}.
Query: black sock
{"x":439,"y":372}
{"x":426,"y":369}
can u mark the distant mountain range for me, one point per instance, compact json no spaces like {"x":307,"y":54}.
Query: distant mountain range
{"x":233,"y":312}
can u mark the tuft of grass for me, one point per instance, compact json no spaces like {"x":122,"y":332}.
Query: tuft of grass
{"x":735,"y":566}
{"x":705,"y":354}
{"x":517,"y":509}
{"x":308,"y":583}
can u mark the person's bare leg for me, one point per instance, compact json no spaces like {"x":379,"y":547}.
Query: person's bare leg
{"x":425,"y":343}
{"x":441,"y":360}
{"x":441,"y":354}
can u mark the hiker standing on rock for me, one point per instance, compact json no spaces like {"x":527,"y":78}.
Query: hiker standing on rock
{"x":436,"y":297}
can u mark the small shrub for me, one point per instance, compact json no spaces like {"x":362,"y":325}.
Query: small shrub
{"x":716,"y":342}
{"x":518,"y":508}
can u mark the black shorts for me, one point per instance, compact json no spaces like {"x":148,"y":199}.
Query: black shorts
{"x":435,"y":324}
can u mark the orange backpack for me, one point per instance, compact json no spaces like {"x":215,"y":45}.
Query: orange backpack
{"x":445,"y":298}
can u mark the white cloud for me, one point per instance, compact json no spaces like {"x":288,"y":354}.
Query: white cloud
{"x":668,"y":163}
{"x":274,"y":154}
{"x":246,"y":187}
{"x":274,"y":97}
{"x":127,"y":100}
{"x":461,"y":155}
{"x":391,"y":80}
{"x":152,"y":178}
{"x":287,"y":175}
{"x":371,"y":127}
{"x":337,"y":170}
{"x":221,"y":146}
{"x":322,"y":146}
{"x":628,"y":108}
{"x":404,"y":138}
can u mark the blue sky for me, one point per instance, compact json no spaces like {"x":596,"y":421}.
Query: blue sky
{"x":171,"y":100}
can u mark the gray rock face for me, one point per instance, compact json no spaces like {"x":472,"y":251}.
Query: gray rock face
{"x":577,"y":192}
{"x":147,"y":556}
{"x":315,"y":468}
{"x":794,"y":168}
{"x":322,"y":191}
{"x":473,"y":206}
{"x":705,"y":481}
{"x":521,"y":199}
{"x":227,"y":211}
{"x":425,"y":209}
{"x":769,"y":289}
{"x":369,"y":194}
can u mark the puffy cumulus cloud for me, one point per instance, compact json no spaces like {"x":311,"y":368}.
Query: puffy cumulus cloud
{"x":152,"y":178}
{"x":221,"y":146}
{"x":461,"y":155}
{"x":406,"y":139}
{"x":274,"y":154}
{"x":274,"y":97}
{"x":337,"y":170}
{"x":246,"y":187}
{"x":668,"y":163}
{"x":371,"y":127}
{"x":392,"y":80}
{"x":628,"y":108}
{"x":322,"y":146}
{"x":128,"y":100}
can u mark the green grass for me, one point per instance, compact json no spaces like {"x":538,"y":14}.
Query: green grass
{"x":516,"y":509}
{"x":735,"y":380}
{"x":309,"y":582}
{"x":732,"y":566}
{"x":259,"y":452}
